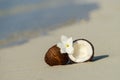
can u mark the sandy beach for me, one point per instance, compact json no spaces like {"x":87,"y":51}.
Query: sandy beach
{"x":26,"y":61}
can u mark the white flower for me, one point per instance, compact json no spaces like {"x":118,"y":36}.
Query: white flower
{"x":66,"y":45}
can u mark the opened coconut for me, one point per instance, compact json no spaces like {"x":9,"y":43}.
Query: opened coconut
{"x":83,"y":51}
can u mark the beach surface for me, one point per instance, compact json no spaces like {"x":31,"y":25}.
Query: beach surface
{"x":26,"y":61}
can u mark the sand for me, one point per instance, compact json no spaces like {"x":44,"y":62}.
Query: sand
{"x":26,"y":61}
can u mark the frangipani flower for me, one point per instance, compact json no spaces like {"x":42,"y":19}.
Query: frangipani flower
{"x":66,"y":45}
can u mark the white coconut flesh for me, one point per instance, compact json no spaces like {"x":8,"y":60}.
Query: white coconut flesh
{"x":82,"y":51}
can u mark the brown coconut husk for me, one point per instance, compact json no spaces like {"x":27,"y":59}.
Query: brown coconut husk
{"x":55,"y":57}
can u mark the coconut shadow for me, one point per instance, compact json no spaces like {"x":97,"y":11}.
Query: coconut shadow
{"x":96,"y":58}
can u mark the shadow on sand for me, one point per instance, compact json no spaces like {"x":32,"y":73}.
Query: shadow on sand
{"x":96,"y":58}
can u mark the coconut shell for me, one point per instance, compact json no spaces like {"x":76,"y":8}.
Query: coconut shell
{"x":55,"y":57}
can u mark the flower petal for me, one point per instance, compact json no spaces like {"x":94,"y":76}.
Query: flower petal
{"x":59,"y":45}
{"x":70,"y":50}
{"x":70,"y":41}
{"x":66,"y":45}
{"x":62,"y":50}
{"x":63,"y":38}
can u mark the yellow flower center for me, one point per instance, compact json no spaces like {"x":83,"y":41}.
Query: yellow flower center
{"x":67,"y":45}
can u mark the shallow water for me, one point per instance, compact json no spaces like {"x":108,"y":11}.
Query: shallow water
{"x":20,"y":20}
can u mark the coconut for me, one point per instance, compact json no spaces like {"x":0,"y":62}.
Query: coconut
{"x":83,"y":51}
{"x":55,"y":57}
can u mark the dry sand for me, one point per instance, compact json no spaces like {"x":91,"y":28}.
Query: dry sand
{"x":26,"y":61}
